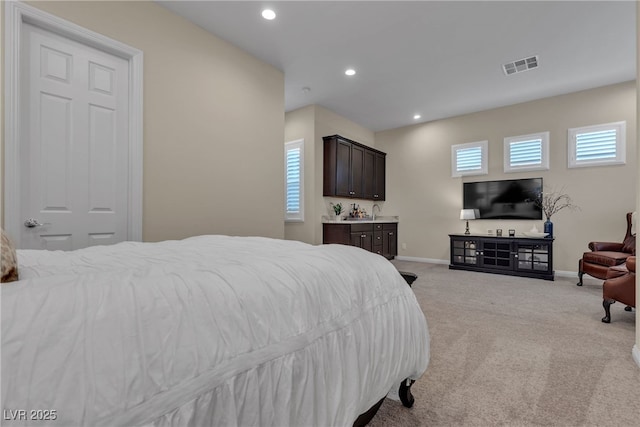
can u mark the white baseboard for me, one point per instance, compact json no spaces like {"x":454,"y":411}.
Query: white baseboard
{"x":563,"y":273}
{"x":425,"y":260}
{"x":635,"y":352}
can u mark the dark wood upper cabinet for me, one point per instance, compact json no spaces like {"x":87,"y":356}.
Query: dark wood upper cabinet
{"x":369,"y":175}
{"x":352,"y":169}
{"x":342,"y":168}
{"x":379,"y":177}
{"x":357,"y":169}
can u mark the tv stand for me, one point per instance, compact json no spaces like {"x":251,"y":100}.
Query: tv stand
{"x":516,"y":256}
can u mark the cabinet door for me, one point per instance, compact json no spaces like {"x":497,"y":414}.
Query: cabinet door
{"x":533,"y":257}
{"x":390,"y":240}
{"x":379,"y":178}
{"x":368,"y":174}
{"x":336,"y":233}
{"x":464,"y":251}
{"x":363,"y":239}
{"x":495,"y":253}
{"x":357,"y":170}
{"x":343,"y":167}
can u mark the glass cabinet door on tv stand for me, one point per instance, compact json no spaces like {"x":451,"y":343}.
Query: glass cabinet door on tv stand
{"x":464,"y":251}
{"x":533,"y":257}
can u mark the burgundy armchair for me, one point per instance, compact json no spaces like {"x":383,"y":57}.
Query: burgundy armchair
{"x":604,"y":255}
{"x":620,"y":288}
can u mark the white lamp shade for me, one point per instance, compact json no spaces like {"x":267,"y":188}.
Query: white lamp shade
{"x":467,"y":214}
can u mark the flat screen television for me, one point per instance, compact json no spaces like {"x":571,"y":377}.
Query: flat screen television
{"x":505,"y":199}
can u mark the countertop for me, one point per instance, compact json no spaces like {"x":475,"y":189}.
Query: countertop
{"x":387,"y":219}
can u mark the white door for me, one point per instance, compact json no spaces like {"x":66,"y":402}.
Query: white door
{"x":74,"y":156}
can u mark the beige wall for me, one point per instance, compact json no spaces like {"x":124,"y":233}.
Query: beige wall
{"x":213,"y":123}
{"x":421,"y":190}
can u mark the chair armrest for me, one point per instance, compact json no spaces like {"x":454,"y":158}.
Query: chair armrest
{"x":605,"y":246}
{"x":631,"y":264}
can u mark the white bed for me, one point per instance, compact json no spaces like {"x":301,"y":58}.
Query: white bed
{"x":210,"y":330}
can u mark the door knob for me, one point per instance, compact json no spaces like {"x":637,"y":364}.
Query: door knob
{"x":32,"y":222}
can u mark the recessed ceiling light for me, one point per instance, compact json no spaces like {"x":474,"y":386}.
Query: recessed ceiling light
{"x":350,"y":72}
{"x":417,"y":116}
{"x":268,"y":14}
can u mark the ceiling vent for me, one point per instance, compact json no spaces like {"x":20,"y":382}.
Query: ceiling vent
{"x":520,"y":65}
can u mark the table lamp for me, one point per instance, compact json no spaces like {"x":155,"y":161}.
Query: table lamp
{"x":467,"y":214}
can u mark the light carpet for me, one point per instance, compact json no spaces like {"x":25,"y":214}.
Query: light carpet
{"x":515,"y":351}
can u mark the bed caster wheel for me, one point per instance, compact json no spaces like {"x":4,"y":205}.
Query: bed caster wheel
{"x":405,"y":393}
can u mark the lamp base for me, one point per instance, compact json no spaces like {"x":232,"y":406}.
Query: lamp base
{"x":467,"y":229}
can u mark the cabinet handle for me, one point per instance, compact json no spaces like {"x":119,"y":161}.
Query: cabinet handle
{"x":391,"y":234}
{"x":362,"y":236}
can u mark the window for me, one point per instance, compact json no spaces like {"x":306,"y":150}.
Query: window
{"x":598,"y":145}
{"x":526,"y":152}
{"x":469,"y":159}
{"x":294,"y":180}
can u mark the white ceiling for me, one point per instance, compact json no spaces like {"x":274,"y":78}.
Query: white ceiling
{"x":434,"y":58}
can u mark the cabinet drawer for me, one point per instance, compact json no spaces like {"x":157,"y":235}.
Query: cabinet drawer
{"x":377,"y":238}
{"x":377,"y":227}
{"x":361,"y":227}
{"x":390,"y":226}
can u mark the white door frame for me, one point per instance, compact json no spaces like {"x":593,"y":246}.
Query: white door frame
{"x":16,"y":14}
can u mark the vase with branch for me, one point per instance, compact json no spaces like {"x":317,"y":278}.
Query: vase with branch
{"x":552,"y":202}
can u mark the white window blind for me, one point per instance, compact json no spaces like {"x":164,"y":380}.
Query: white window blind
{"x":597,"y":145}
{"x":526,"y":152}
{"x":294,"y":180}
{"x":469,"y":159}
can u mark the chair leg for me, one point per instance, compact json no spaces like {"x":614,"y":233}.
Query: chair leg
{"x":606,"y":303}
{"x":580,"y":273}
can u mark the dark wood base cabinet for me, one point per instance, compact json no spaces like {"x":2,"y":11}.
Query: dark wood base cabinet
{"x":378,"y":237}
{"x":516,"y":256}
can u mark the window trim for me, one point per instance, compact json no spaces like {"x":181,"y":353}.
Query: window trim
{"x":294,"y":216}
{"x":621,"y":149}
{"x":544,"y":155}
{"x":484,"y":163}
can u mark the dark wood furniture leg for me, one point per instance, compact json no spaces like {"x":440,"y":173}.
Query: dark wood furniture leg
{"x":580,"y":273}
{"x":364,"y":419}
{"x":606,"y":303}
{"x":405,"y":393}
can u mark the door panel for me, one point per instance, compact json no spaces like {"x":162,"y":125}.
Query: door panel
{"x":74,"y":157}
{"x":368,"y":174}
{"x":357,"y":168}
{"x":343,"y":162}
{"x":380,"y":178}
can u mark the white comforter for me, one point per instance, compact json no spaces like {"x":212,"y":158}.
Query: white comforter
{"x":211,"y":330}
